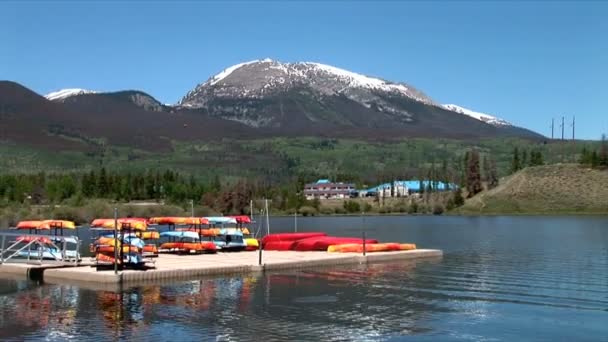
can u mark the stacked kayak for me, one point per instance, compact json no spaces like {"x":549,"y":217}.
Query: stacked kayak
{"x":187,"y":242}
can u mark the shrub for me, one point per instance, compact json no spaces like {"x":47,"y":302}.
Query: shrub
{"x":308,"y":211}
{"x":339,"y":210}
{"x":352,"y":207}
{"x":438,"y":209}
{"x":413,"y":208}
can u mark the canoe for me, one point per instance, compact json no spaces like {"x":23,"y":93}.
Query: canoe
{"x":323,"y":242}
{"x":290,"y":236}
{"x":252,"y":244}
{"x":279,"y":245}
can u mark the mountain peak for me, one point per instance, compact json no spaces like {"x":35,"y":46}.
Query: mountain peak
{"x":259,"y":78}
{"x":487,"y":118}
{"x":65,"y":93}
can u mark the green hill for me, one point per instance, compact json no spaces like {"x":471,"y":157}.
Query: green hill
{"x":551,"y":189}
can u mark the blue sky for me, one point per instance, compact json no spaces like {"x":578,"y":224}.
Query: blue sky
{"x":524,"y":62}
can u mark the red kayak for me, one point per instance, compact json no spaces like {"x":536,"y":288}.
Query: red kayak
{"x":290,"y":236}
{"x":279,"y":245}
{"x":323,"y":242}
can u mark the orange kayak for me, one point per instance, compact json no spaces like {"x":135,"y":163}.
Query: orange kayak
{"x":150,"y":249}
{"x":206,"y":246}
{"x":369,"y":248}
{"x":148,"y":235}
{"x":40,"y":239}
{"x":110,"y":249}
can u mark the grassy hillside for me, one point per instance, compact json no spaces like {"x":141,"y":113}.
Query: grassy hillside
{"x":281,"y":158}
{"x":550,"y":189}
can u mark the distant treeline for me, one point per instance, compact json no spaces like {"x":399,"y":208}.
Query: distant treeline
{"x":596,"y":158}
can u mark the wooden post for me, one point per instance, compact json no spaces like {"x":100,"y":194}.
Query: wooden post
{"x":116,"y":241}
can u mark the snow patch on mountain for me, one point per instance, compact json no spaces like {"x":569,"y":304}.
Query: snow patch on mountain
{"x":358,"y":80}
{"x":226,"y":72}
{"x":65,"y":93}
{"x":487,"y":118}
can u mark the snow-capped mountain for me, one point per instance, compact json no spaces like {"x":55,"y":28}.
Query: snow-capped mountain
{"x":248,"y":93}
{"x":487,"y":118}
{"x":63,"y":94}
{"x":237,"y":91}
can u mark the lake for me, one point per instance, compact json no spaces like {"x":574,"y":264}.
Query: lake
{"x":501,"y":278}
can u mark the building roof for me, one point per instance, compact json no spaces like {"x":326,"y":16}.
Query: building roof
{"x":413,"y":185}
{"x":323,"y":181}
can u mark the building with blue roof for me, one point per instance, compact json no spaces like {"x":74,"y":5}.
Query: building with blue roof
{"x":406,"y":187}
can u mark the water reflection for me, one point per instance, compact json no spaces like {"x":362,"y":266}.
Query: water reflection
{"x":500,"y":279}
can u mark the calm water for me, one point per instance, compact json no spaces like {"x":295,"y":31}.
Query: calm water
{"x":501,"y":278}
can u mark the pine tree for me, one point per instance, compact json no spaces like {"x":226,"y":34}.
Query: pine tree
{"x":457,"y":197}
{"x":486,"y":170}
{"x":102,"y":184}
{"x":603,"y":156}
{"x":473,"y":174}
{"x":515,"y":165}
{"x":493,"y":178}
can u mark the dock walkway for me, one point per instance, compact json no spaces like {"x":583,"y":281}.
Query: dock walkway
{"x":175,"y":267}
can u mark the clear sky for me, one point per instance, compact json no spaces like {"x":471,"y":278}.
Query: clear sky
{"x":524,"y":62}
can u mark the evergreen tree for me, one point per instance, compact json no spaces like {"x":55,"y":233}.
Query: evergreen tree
{"x":473,"y":174}
{"x":486,"y":170}
{"x":102,"y":184}
{"x":493,"y":178}
{"x":457,"y":196}
{"x":603,"y":157}
{"x":595,"y":159}
{"x":515,"y":165}
{"x":524,"y":159}
{"x":585,"y":158}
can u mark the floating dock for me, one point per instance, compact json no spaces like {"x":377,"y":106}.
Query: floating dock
{"x":175,"y":267}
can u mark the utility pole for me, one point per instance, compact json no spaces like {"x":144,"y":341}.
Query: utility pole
{"x":562,"y":142}
{"x":573,"y":141}
{"x":552,"y":127}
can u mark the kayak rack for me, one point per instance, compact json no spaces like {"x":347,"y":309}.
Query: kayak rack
{"x":38,"y":248}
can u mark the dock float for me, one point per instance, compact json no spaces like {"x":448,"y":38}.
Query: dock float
{"x":175,"y":267}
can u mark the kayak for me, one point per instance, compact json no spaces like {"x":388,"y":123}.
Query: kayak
{"x":149,"y":235}
{"x":46,"y":224}
{"x":151,"y":249}
{"x":198,"y":247}
{"x":30,"y":238}
{"x":172,"y":220}
{"x":290,"y":236}
{"x":48,"y":253}
{"x":128,"y":223}
{"x":252,"y":244}
{"x":378,"y":247}
{"x":323,"y":242}
{"x":279,"y":245}
{"x":129,"y":258}
{"x":110,"y":249}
